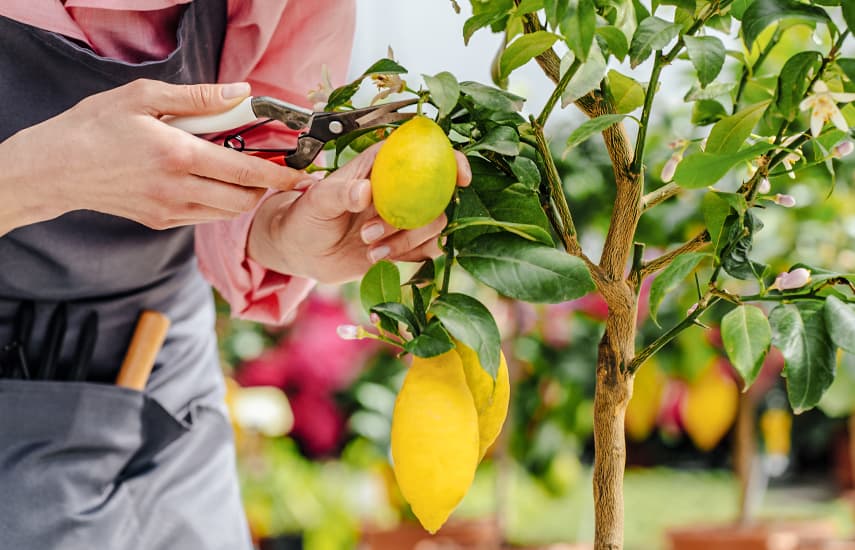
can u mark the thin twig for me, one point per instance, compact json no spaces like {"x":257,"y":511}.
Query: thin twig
{"x":657,"y":196}
{"x":701,"y":240}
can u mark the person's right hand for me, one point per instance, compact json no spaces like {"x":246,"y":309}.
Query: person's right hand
{"x":112,"y":153}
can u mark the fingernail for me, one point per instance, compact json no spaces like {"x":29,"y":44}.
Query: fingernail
{"x":372,"y":232}
{"x":377,"y":254}
{"x":357,"y":190}
{"x":237,"y":89}
{"x":303,"y":184}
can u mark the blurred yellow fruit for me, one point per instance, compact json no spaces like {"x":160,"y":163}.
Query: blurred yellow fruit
{"x":643,"y":408}
{"x":491,"y":399}
{"x":712,"y":401}
{"x":776,"y":426}
{"x":414,"y":174}
{"x":435,"y":438}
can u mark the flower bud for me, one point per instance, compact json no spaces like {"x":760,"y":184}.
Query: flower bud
{"x":843,"y":149}
{"x":796,"y":278}
{"x":348,"y":332}
{"x":670,"y":167}
{"x":787,"y":201}
{"x":764,"y":187}
{"x":692,"y":309}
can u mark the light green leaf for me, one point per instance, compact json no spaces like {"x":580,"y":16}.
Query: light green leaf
{"x":707,"y":111}
{"x":704,"y":169}
{"x":762,"y":13}
{"x":587,"y":77}
{"x":591,"y":127}
{"x":492,"y":99}
{"x":444,"y":90}
{"x":523,"y":49}
{"x":628,"y":94}
{"x":794,"y":81}
{"x":652,"y":34}
{"x":578,"y":26}
{"x":729,"y":134}
{"x":526,"y":271}
{"x":840,"y":320}
{"x":501,"y":139}
{"x":382,"y":283}
{"x":747,"y":336}
{"x":470,"y":322}
{"x":799,"y":331}
{"x":615,"y":40}
{"x":671,"y":277}
{"x":707,"y":55}
{"x":715,"y":210}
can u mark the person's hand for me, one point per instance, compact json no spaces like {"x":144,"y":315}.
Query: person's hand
{"x":332,"y":233}
{"x":112,"y":153}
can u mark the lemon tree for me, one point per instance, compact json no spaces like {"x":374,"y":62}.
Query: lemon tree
{"x":771,"y":103}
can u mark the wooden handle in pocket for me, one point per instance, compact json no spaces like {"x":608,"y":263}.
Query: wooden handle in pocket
{"x":145,"y":344}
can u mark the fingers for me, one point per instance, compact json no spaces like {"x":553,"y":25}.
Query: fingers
{"x":221,"y":196}
{"x":329,"y":199}
{"x":159,"y":98}
{"x":464,"y":171}
{"x":216,"y":162}
{"x":404,"y":245}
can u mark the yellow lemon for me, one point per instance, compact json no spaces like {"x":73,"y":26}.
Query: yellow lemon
{"x":434,"y":438}
{"x":712,"y":401}
{"x":414,"y":174}
{"x":643,"y":408}
{"x":491,"y":400}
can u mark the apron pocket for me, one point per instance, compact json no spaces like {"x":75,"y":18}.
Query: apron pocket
{"x":65,"y":448}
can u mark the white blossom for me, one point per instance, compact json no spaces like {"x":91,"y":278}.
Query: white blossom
{"x":320,"y":96}
{"x":348,"y":332}
{"x":765,"y":186}
{"x":670,"y":167}
{"x":823,"y":105}
{"x":791,"y":280}
{"x":787,"y":201}
{"x":842,"y":149}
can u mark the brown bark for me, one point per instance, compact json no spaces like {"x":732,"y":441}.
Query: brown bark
{"x":745,"y":451}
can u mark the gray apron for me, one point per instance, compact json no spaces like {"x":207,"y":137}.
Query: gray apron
{"x":88,"y":465}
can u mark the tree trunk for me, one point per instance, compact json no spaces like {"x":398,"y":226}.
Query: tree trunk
{"x":612,"y":394}
{"x":745,"y":453}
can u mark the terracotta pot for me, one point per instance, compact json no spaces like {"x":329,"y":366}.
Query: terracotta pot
{"x":827,"y":545}
{"x":757,"y":536}
{"x":468,"y":535}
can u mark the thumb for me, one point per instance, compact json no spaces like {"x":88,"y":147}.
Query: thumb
{"x":159,"y":98}
{"x":329,"y":199}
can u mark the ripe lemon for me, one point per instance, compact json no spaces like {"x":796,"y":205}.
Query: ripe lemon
{"x":711,"y":405}
{"x":414,"y":174}
{"x":491,"y":400}
{"x":434,"y":438}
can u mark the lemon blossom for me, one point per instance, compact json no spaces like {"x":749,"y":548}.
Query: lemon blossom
{"x":791,"y":158}
{"x":842,"y":149}
{"x":764,"y":187}
{"x":823,"y":105}
{"x":320,"y":96}
{"x":791,"y":280}
{"x":787,"y":201}
{"x":670,"y":167}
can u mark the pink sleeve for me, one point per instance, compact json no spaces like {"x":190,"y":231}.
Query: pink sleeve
{"x":279,"y":47}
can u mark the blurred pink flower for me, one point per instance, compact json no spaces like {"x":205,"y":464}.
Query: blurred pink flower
{"x":318,"y":424}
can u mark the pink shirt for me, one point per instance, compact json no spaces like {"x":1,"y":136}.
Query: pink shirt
{"x":278,"y":46}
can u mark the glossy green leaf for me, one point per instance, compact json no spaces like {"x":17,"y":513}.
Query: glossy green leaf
{"x":492,"y":99}
{"x":707,"y":55}
{"x":529,"y":232}
{"x":587,"y":77}
{"x":382,"y":283}
{"x":707,"y":111}
{"x":591,"y":127}
{"x":715,"y":210}
{"x":470,"y":322}
{"x":526,"y":271}
{"x":671,"y":277}
{"x":444,"y":90}
{"x":799,"y":331}
{"x":501,"y":139}
{"x":384,"y":66}
{"x":433,"y":341}
{"x":426,"y":273}
{"x":703,"y":169}
{"x":627,"y":93}
{"x":615,"y":40}
{"x":736,"y":245}
{"x":523,"y":49}
{"x":652,"y":34}
{"x":747,"y":336}
{"x":729,"y":134}
{"x":526,"y":172}
{"x":762,"y":13}
{"x":555,"y":10}
{"x":712,"y":91}
{"x":794,"y":81}
{"x":848,"y":8}
{"x":578,"y":26}
{"x":840,"y":320}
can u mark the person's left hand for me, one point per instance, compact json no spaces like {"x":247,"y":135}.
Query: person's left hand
{"x":331,"y":232}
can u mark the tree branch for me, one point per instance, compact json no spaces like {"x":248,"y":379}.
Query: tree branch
{"x":660,"y":195}
{"x":651,"y":267}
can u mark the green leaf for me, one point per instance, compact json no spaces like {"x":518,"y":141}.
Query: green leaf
{"x":471,"y":323}
{"x":747,"y":336}
{"x":847,"y":65}
{"x":615,"y":40}
{"x":799,"y":331}
{"x":707,"y":111}
{"x":477,"y":22}
{"x":707,"y":55}
{"x":523,"y":49}
{"x":840,"y":320}
{"x":578,"y":26}
{"x":704,"y":168}
{"x":794,"y":82}
{"x":762,"y":13}
{"x":444,"y":90}
{"x":714,"y":90}
{"x":738,"y":7}
{"x":715,"y":210}
{"x":652,"y":34}
{"x":501,"y":139}
{"x":382,"y":283}
{"x":587,"y":78}
{"x":591,"y":127}
{"x":399,"y":313}
{"x":524,"y":270}
{"x":342,"y":95}
{"x":384,"y":66}
{"x":848,"y":8}
{"x":555,"y":10}
{"x":671,"y":277}
{"x":527,"y":231}
{"x":492,"y":99}
{"x":729,"y":134}
{"x":424,"y":275}
{"x":430,"y":343}
{"x":627,"y":93}
{"x":738,"y":239}
{"x":526,"y":172}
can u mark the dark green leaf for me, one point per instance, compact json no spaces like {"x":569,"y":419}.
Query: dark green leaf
{"x":523,"y":270}
{"x":342,"y":95}
{"x":523,"y":49}
{"x":707,"y":55}
{"x":746,"y":335}
{"x":555,"y":10}
{"x":848,"y":8}
{"x":444,"y":90}
{"x":578,"y":26}
{"x":382,"y":283}
{"x":738,"y":240}
{"x":399,"y":313}
{"x":671,"y":277}
{"x":762,"y":13}
{"x":529,"y":232}
{"x":384,"y":66}
{"x":738,"y":7}
{"x":591,"y":127}
{"x":425,"y":274}
{"x":627,"y":94}
{"x":707,"y":111}
{"x":652,"y":34}
{"x":430,"y":343}
{"x":794,"y":82}
{"x":615,"y":40}
{"x":840,"y":320}
{"x":729,"y":134}
{"x":703,"y":169}
{"x":478,"y":21}
{"x":799,"y":331}
{"x":501,"y":139}
{"x":471,"y":323}
{"x":526,"y":171}
{"x":847,"y":65}
{"x":492,"y":99}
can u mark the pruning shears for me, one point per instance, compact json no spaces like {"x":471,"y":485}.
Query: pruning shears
{"x":317,"y":128}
